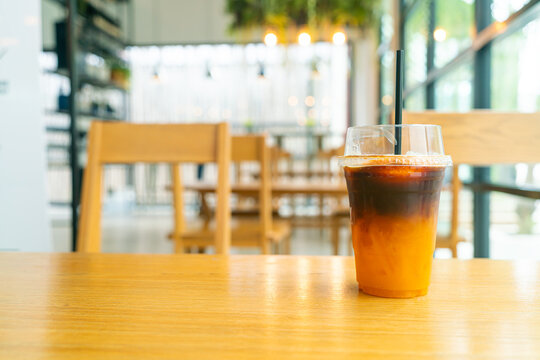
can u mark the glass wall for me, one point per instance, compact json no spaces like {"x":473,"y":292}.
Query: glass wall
{"x":386,"y":71}
{"x":246,"y":85}
{"x":453,"y":91}
{"x":515,"y":87}
{"x":454,"y":29}
{"x":516,"y":71}
{"x":440,"y":40}
{"x":416,"y":38}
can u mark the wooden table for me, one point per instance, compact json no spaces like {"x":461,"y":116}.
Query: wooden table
{"x":318,"y":173}
{"x":80,"y":306}
{"x":278,"y":188}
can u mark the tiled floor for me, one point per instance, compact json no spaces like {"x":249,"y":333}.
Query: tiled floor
{"x":148,"y":234}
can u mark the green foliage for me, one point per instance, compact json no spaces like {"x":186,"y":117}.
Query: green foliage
{"x":297,"y":13}
{"x":355,"y":13}
{"x":456,"y":17}
{"x":246,"y":13}
{"x":120,"y":68}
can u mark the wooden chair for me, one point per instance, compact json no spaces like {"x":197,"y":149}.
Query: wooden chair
{"x":277,"y":155}
{"x":123,"y":143}
{"x":326,"y":156}
{"x":481,"y":138}
{"x":340,"y":214}
{"x":261,"y":230}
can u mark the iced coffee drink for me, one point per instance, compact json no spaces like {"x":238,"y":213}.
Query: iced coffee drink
{"x":394,"y":201}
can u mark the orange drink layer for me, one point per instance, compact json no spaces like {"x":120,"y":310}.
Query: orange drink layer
{"x":394,"y":210}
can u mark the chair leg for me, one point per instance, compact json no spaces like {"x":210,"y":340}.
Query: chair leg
{"x":456,"y":187}
{"x":89,"y":236}
{"x":453,"y":248}
{"x":265,"y":246}
{"x":335,"y":235}
{"x":287,"y":245}
{"x":349,"y":243}
{"x":178,"y":204}
{"x":277,"y":248}
{"x":178,"y":246}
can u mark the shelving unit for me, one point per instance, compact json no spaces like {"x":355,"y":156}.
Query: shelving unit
{"x":86,"y":114}
{"x":101,"y":83}
{"x":89,"y":31}
{"x":85,"y":79}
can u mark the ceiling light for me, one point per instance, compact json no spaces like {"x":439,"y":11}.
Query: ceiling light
{"x":270,"y":39}
{"x":304,"y":39}
{"x":339,"y":38}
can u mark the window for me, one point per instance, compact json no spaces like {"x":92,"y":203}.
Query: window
{"x":416,"y":44}
{"x":515,"y":87}
{"x":387,"y":85}
{"x":416,"y":101}
{"x":453,"y":92}
{"x":502,"y":9}
{"x":454,"y":29}
{"x":250,"y":84}
{"x":386,"y":61}
{"x":449,"y":26}
{"x":515,"y":71}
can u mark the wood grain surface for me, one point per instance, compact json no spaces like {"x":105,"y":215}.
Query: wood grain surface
{"x":112,"y":306}
{"x":485,"y":137}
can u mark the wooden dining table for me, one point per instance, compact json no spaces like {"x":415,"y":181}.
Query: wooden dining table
{"x":281,"y":188}
{"x":117,"y":306}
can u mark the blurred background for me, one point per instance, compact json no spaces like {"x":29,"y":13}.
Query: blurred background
{"x":299,"y":71}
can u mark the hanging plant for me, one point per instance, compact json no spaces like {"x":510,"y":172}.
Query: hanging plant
{"x":316,"y":15}
{"x":246,"y":13}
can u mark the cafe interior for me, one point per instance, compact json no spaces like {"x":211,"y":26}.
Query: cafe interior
{"x":172,"y":170}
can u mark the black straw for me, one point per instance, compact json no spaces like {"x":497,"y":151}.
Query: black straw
{"x":398,"y":100}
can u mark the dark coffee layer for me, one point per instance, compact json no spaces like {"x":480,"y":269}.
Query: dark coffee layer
{"x":394,"y":190}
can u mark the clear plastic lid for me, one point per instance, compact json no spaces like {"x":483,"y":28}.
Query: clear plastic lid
{"x":394,"y":145}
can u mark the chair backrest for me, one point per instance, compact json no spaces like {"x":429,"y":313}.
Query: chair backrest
{"x":127,"y":143}
{"x":326,"y":156}
{"x":331,"y":153}
{"x":485,"y":137}
{"x":277,"y":154}
{"x":253,"y":148}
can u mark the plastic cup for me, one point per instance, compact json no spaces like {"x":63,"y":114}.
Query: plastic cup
{"x":394,"y":201}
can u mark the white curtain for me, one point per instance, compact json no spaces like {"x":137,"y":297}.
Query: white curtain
{"x":290,"y":86}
